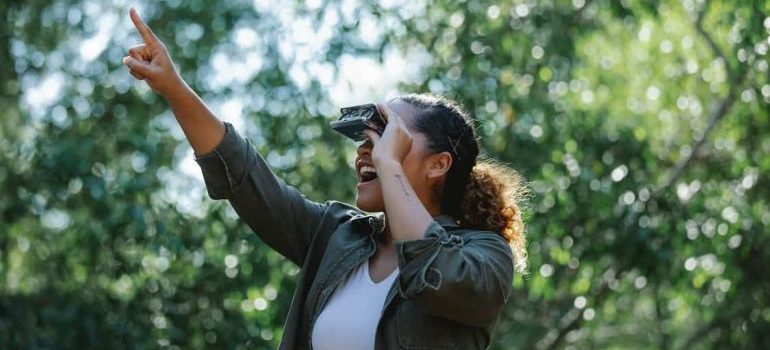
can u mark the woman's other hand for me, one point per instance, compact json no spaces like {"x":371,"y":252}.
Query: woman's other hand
{"x":395,"y":142}
{"x":151,"y":62}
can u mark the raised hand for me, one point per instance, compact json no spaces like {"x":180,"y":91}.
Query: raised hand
{"x":396,"y":140}
{"x":151,"y":62}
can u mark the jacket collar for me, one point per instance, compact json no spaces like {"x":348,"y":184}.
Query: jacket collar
{"x":446,"y":221}
{"x":375,"y":223}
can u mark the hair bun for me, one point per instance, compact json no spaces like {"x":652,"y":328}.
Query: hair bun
{"x":492,"y":202}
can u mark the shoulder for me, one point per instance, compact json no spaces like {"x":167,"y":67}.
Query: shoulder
{"x":342,"y":209}
{"x":337,"y":213}
{"x":477,"y":234}
{"x":485,"y":240}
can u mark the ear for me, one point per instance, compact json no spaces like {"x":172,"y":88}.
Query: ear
{"x":438,"y":165}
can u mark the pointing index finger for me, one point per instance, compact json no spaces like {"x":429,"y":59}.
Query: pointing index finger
{"x":144,"y":30}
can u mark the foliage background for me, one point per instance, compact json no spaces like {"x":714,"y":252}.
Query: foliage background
{"x":641,"y":125}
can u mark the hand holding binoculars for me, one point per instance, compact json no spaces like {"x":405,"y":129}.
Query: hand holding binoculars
{"x":356,"y":119}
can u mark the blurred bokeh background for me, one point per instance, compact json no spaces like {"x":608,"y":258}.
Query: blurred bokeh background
{"x":642,"y":127}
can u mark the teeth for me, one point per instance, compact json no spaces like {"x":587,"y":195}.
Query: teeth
{"x":367,"y":169}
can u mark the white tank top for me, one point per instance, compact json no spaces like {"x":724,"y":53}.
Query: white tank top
{"x":350,"y":317}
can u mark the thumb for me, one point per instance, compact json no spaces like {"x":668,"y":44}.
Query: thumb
{"x":141,"y":68}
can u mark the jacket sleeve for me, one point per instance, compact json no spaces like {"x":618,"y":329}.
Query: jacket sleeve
{"x":465,"y":279}
{"x":281,"y":216}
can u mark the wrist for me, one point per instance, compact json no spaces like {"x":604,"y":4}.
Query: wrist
{"x":177,"y":91}
{"x":388,"y":165}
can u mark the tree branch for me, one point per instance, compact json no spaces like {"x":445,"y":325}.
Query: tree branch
{"x":572,"y":320}
{"x":712,"y":44}
{"x":660,"y":315}
{"x":734,"y":79}
{"x":716,"y":116}
{"x":721,"y":320}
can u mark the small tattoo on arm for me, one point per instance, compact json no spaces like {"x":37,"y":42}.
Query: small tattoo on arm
{"x":403,"y":186}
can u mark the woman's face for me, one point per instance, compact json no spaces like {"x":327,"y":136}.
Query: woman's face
{"x":369,"y":193}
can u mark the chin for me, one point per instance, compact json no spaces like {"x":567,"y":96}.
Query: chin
{"x":369,"y":198}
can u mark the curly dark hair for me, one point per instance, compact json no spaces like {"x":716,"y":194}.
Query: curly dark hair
{"x":478,"y":193}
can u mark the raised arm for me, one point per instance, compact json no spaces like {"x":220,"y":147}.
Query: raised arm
{"x":464,"y":278}
{"x":231,"y":167}
{"x":151,"y":62}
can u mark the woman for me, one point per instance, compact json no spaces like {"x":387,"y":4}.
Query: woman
{"x":434,"y":272}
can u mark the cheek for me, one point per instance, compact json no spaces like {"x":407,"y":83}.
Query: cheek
{"x":413,"y":169}
{"x":413,"y":162}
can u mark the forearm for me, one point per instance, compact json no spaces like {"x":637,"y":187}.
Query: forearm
{"x":407,"y":217}
{"x":152,"y":63}
{"x":202,"y":128}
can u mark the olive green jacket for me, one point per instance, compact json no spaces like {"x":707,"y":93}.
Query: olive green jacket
{"x":452,"y":285}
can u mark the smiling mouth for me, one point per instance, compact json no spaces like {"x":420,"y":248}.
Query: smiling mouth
{"x":367,"y":173}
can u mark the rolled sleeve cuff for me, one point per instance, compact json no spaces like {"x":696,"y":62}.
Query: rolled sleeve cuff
{"x":224,"y":167}
{"x":415,"y":258}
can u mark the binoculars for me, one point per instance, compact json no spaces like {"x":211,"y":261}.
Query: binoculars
{"x":356,"y":119}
